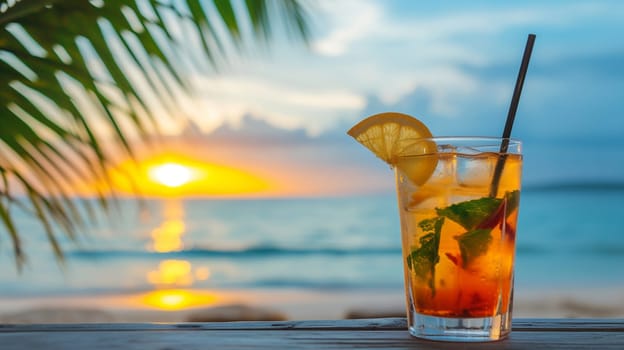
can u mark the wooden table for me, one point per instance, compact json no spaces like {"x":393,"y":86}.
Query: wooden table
{"x":386,"y":333}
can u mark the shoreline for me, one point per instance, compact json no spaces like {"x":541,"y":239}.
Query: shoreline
{"x":182,"y":305}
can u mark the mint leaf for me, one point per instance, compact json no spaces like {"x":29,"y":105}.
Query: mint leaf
{"x":423,"y":259}
{"x":470,"y":214}
{"x":473,"y":244}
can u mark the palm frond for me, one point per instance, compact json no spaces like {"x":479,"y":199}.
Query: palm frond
{"x":75,"y":74}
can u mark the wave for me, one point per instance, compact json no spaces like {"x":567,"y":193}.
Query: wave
{"x":531,"y":249}
{"x":276,"y":252}
{"x":573,"y":186}
{"x":12,"y":290}
{"x":250,"y":252}
{"x":324,"y":285}
{"x":588,"y":250}
{"x":614,"y":250}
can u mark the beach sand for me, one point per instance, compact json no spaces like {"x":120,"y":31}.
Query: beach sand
{"x":187,"y":305}
{"x":233,"y":305}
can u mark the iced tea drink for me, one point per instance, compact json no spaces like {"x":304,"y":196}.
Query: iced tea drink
{"x":458,"y":229}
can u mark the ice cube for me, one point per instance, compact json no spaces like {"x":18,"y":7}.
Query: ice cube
{"x":475,"y":171}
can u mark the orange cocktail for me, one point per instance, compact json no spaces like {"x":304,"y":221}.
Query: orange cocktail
{"x":458,"y":234}
{"x":458,"y":202}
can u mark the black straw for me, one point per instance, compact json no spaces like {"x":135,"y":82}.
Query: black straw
{"x":511,"y":115}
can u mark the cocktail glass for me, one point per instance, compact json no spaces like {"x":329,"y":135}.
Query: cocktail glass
{"x":458,"y":211}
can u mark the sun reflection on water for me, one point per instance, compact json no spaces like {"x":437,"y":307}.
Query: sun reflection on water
{"x":173,"y":274}
{"x":176,"y":299}
{"x":168,"y":236}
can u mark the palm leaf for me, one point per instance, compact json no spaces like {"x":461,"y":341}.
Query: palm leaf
{"x":67,"y":65}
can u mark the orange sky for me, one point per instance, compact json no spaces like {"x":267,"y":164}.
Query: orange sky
{"x":195,"y":168}
{"x":172,"y":174}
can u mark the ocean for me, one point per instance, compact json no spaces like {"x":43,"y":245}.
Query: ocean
{"x":569,"y":237}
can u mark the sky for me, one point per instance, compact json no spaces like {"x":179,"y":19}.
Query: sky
{"x":282,"y":114}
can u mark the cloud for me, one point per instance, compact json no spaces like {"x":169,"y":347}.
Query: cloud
{"x":237,"y":87}
{"x":229,"y":98}
{"x":404,"y":49}
{"x":350,"y":21}
{"x":453,"y":66}
{"x":464,"y":20}
{"x":390,"y":49}
{"x":255,"y":132}
{"x":571,"y":96}
{"x":334,"y":164}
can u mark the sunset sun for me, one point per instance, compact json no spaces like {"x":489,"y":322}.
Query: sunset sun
{"x":181,"y":175}
{"x":171,"y":174}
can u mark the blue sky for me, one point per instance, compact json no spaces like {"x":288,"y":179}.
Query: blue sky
{"x":452,"y":64}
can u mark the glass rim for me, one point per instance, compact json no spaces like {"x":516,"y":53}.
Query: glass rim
{"x":476,"y":138}
{"x":486,"y":144}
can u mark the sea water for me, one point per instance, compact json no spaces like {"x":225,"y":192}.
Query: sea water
{"x":567,"y":238}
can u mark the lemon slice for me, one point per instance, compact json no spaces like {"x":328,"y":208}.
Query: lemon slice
{"x":392,"y":135}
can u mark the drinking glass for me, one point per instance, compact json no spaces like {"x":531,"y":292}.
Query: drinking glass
{"x":458,"y":210}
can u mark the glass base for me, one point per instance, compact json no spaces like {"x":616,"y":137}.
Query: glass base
{"x":477,"y":329}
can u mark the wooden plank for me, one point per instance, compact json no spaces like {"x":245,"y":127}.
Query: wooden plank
{"x":300,"y":339}
{"x":368,"y":324}
{"x":341,"y":334}
{"x":576,"y":325}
